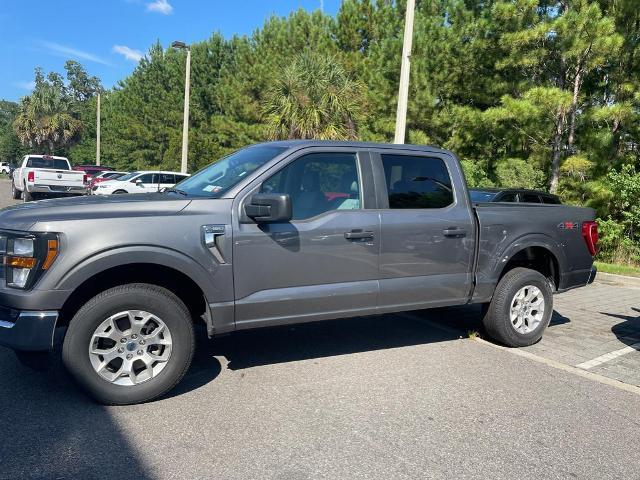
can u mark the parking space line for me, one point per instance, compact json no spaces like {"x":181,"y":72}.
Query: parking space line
{"x":608,"y":356}
{"x":567,"y":368}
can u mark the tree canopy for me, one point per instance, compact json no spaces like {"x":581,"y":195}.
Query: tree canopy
{"x":529,"y":93}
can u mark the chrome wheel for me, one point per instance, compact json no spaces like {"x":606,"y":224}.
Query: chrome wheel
{"x":130,"y":347}
{"x":527,"y":309}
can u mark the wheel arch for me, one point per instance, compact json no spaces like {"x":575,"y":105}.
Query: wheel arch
{"x":541,"y":256}
{"x":156,"y":266}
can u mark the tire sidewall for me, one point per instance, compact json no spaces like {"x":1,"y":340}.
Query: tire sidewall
{"x":81,"y":329}
{"x":500,"y":310}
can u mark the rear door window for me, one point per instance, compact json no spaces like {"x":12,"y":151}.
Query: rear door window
{"x":168,"y":178}
{"x":417,"y":182}
{"x":508,"y":197}
{"x":530,"y":198}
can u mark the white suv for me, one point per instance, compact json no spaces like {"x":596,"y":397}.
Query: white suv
{"x":139,"y":182}
{"x":4,"y":167}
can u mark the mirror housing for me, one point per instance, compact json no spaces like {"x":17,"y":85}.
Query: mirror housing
{"x":269,"y":208}
{"x":138,"y":182}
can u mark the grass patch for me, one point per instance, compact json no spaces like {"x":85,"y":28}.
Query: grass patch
{"x":618,"y":269}
{"x":473,"y":334}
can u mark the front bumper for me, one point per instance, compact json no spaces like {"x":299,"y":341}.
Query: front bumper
{"x":27,"y":329}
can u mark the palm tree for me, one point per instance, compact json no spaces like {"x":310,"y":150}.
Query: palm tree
{"x":45,"y":118}
{"x":314,"y":98}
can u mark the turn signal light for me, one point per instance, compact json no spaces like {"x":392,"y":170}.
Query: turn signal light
{"x":52,"y":253}
{"x":21,"y":262}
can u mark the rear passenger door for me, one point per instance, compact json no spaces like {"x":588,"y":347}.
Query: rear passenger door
{"x":427,"y":230}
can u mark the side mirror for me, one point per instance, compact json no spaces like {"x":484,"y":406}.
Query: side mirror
{"x":269,"y":207}
{"x":138,"y":182}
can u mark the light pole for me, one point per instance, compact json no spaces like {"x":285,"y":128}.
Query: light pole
{"x":403,"y":92}
{"x":98,"y":132}
{"x":185,"y":120}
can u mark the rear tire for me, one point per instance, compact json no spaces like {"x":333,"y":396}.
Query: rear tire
{"x":521,"y":308}
{"x":135,"y":372}
{"x":26,"y":196}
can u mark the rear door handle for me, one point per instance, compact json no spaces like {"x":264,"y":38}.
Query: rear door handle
{"x":454,"y":232}
{"x":357,"y":235}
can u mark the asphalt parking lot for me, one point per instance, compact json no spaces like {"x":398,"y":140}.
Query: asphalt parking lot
{"x":396,"y":396}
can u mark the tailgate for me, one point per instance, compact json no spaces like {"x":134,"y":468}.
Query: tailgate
{"x":49,"y":176}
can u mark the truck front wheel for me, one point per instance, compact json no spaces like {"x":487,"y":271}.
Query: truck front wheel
{"x":521,"y":308}
{"x":129,"y":344}
{"x":15,"y":193}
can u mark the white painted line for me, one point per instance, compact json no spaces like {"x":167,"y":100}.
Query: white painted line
{"x":567,"y":368}
{"x":608,"y":356}
{"x":532,"y":356}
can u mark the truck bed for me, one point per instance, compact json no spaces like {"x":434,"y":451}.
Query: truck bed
{"x":505,"y":228}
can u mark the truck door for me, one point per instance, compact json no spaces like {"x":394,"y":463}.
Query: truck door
{"x":427,"y":227}
{"x":324,"y":262}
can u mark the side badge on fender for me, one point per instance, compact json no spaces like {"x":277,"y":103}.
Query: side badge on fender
{"x":210,"y":233}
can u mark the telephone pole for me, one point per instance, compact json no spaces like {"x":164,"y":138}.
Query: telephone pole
{"x":98,"y":132}
{"x":403,"y":92}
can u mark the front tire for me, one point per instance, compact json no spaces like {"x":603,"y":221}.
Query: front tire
{"x":119,"y":192}
{"x":15,"y":193}
{"x":521,"y":308}
{"x":129,"y":344}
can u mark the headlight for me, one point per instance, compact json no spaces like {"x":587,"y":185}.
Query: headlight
{"x":25,"y":257}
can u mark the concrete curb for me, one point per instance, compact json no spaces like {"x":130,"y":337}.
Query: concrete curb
{"x":618,"y":280}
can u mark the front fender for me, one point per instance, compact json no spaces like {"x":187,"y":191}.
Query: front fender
{"x":91,"y":266}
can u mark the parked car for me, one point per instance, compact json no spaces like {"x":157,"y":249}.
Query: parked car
{"x":518,"y":195}
{"x":275,"y":234}
{"x":46,"y":176}
{"x":92,"y":170}
{"x":103,"y":177}
{"x":5,"y":167}
{"x":139,"y":182}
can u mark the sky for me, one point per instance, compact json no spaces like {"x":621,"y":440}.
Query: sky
{"x":109,"y":36}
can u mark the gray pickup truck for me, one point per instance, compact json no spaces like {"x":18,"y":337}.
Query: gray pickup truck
{"x":274,"y":234}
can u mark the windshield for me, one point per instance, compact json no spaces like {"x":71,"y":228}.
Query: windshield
{"x":128,"y":176}
{"x":43,"y":162}
{"x":480,"y":196}
{"x":221,"y":176}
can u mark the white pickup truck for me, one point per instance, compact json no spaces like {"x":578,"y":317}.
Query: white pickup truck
{"x":46,"y":176}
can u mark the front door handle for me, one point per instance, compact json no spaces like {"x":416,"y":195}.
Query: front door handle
{"x":357,"y":235}
{"x":454,"y":232}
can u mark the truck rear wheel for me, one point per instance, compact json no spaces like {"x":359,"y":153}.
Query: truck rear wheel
{"x":521,"y":308}
{"x":129,"y":344}
{"x":26,"y":196}
{"x":15,"y":193}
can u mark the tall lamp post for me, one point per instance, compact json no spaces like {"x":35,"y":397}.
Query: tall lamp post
{"x":403,"y":91}
{"x":185,"y":120}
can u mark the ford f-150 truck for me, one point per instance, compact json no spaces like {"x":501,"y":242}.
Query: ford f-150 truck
{"x":46,"y":176}
{"x":274,"y":234}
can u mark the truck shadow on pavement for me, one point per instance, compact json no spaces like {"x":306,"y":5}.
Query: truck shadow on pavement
{"x":330,"y":338}
{"x":305,"y":341}
{"x":627,"y":332}
{"x":50,"y":430}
